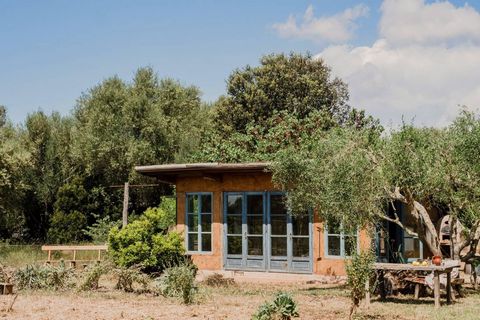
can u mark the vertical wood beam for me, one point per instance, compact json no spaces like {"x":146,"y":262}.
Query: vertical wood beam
{"x":436,"y":290}
{"x":125,"y":205}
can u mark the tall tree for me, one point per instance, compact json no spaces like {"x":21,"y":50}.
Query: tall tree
{"x":295,"y":83}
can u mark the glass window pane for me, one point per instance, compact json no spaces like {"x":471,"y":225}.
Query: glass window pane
{"x":279,"y":246}
{"x":255,"y":246}
{"x":234,"y":204}
{"x":192,"y":203}
{"x":206,"y":222}
{"x":206,"y":203}
{"x":193,"y":242}
{"x":350,"y":245}
{"x":412,"y":248}
{"x":234,"y":244}
{"x":255,"y":204}
{"x":301,"y":247}
{"x":234,"y":224}
{"x":255,"y":224}
{"x":206,"y":242}
{"x":277,"y":205}
{"x":279,"y":225}
{"x":300,"y":225}
{"x":333,"y":245}
{"x":192,"y":222}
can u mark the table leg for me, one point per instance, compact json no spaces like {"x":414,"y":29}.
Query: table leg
{"x":367,"y":293}
{"x":449,"y":288}
{"x":436,"y":290}
{"x":381,"y":279}
{"x":417,"y":291}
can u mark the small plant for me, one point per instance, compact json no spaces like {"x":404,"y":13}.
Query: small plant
{"x":92,"y":275}
{"x":44,"y":277}
{"x":98,"y":231}
{"x":127,"y":277}
{"x":359,"y":270}
{"x":283,"y":307}
{"x":178,"y":282}
{"x":218,"y":280}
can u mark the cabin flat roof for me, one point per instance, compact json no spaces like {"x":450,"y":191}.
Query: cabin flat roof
{"x":169,"y":170}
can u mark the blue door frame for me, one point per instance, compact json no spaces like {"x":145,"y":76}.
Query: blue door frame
{"x":265,"y":262}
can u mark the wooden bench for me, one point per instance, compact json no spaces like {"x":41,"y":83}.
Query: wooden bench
{"x":6,"y":288}
{"x":74,"y":261}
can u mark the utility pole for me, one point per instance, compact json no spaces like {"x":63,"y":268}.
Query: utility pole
{"x":125,"y":205}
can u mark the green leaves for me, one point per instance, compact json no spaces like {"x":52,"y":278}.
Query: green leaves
{"x":145,"y":242}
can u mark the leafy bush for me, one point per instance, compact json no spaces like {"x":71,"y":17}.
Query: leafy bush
{"x":99,"y":230}
{"x":66,"y":227}
{"x":128,"y":276}
{"x":283,"y":307}
{"x":44,"y":277}
{"x":178,"y":282}
{"x":359,"y":271}
{"x":146,"y":242}
{"x":92,"y":274}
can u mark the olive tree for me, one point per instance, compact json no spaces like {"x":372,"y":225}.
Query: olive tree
{"x":351,"y":175}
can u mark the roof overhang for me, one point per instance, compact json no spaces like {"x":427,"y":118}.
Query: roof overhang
{"x":209,"y":170}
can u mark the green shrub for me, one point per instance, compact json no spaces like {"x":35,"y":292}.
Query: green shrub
{"x":127,"y":277}
{"x":178,"y":282}
{"x":146,"y":242}
{"x":283,"y":307}
{"x":91,"y":276}
{"x":44,"y":277}
{"x":66,"y":227}
{"x":99,"y":230}
{"x":359,"y":270}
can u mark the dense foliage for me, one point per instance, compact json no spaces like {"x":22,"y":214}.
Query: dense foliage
{"x":146,"y":242}
{"x":58,"y":171}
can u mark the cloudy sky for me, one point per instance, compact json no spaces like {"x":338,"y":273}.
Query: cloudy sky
{"x":414,"y":59}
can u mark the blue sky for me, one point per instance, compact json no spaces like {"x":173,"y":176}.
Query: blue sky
{"x":52,"y":51}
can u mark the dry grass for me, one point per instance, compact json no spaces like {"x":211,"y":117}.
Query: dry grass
{"x":225,"y":302}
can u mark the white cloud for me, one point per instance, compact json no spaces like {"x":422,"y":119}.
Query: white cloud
{"x":422,"y":82}
{"x":334,"y":29}
{"x":423,"y":71}
{"x":414,"y":21}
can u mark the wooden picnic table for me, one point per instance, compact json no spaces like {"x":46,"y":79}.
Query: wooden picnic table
{"x":445,"y":267}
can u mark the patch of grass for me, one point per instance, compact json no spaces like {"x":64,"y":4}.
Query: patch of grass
{"x":21,"y":255}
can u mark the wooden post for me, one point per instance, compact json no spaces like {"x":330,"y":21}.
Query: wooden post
{"x":449,"y":287}
{"x":436,"y":290}
{"x":125,"y":205}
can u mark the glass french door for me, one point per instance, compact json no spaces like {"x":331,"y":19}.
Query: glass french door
{"x":245,"y":229}
{"x":289,"y":245}
{"x":260,"y":234}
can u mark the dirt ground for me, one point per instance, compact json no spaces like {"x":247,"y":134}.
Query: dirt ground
{"x":235,"y":302}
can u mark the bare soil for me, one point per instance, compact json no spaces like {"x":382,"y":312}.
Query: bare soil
{"x":233,"y":302}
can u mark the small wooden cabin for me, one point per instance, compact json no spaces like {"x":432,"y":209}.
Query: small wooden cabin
{"x":233,"y":218}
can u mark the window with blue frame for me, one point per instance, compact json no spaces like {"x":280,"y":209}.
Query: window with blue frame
{"x":199,"y":222}
{"x":338,"y":242}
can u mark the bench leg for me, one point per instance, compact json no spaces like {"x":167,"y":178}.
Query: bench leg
{"x":367,"y":293}
{"x":436,"y":291}
{"x":417,"y":291}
